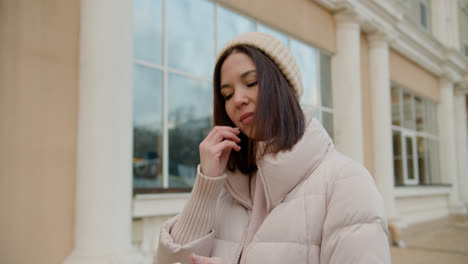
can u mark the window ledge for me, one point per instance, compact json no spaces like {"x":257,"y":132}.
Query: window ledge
{"x":158,"y":204}
{"x":417,"y":191}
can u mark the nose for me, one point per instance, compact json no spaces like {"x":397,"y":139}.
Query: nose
{"x":240,"y":98}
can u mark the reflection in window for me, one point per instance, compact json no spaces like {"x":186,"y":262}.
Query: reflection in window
{"x":230,"y":25}
{"x":408,"y":120}
{"x":313,"y":111}
{"x":190,"y":120}
{"x":278,"y":35}
{"x":430,"y":124}
{"x":423,"y":161}
{"x":306,"y":58}
{"x":419,"y":113}
{"x":409,"y":157}
{"x":191,"y":36}
{"x":193,"y":31}
{"x":434,"y":160}
{"x":325,"y":80}
{"x":147,"y":30}
{"x":423,"y":15}
{"x":397,"y":158}
{"x":147,"y":128}
{"x":419,"y":149}
{"x":396,"y":107}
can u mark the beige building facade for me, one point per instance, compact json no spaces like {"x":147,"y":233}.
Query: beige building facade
{"x":96,"y":98}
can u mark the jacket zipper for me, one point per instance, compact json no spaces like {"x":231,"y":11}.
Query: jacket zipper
{"x":241,"y":248}
{"x":264,"y":188}
{"x":244,"y":237}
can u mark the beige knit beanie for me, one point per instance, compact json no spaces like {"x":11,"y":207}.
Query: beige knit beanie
{"x":274,"y":49}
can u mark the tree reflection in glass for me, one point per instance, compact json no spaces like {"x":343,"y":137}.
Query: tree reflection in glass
{"x":147,"y":128}
{"x":190,"y":120}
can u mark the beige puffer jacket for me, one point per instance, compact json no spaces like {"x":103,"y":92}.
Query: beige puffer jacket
{"x":323,"y":208}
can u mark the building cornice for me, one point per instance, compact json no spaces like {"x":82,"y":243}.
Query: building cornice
{"x":458,"y":61}
{"x":404,"y":36}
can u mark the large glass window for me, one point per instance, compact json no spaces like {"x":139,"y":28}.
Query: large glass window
{"x":147,"y":127}
{"x":231,"y":24}
{"x":315,"y":68}
{"x":175,"y":45}
{"x":415,"y":139}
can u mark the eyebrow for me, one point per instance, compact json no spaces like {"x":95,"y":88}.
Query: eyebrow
{"x":242,"y":76}
{"x":247,"y":73}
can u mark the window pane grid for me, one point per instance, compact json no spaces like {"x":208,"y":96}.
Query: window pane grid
{"x":415,"y":140}
{"x":180,"y":175}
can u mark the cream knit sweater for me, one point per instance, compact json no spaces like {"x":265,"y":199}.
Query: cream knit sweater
{"x":197,"y":218}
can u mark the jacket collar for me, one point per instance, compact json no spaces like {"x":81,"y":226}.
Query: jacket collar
{"x":282,"y":172}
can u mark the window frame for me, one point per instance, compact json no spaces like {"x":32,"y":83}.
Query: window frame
{"x":413,"y":134}
{"x":167,"y":70}
{"x":422,"y":4}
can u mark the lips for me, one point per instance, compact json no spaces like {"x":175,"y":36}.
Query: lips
{"x":246,"y":118}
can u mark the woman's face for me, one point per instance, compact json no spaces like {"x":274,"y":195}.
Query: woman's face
{"x":240,"y":90}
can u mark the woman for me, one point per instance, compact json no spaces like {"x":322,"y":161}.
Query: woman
{"x":270,"y":187}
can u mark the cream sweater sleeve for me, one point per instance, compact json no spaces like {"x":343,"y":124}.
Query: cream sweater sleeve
{"x":197,"y":218}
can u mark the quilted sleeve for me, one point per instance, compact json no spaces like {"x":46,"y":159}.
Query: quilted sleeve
{"x":355,"y":227}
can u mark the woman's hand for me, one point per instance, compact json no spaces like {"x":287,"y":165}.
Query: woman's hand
{"x":205,"y":260}
{"x":216,"y":148}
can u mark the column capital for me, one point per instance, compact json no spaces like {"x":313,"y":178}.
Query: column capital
{"x":449,"y":74}
{"x":347,"y":15}
{"x":461,"y":88}
{"x":379,"y":38}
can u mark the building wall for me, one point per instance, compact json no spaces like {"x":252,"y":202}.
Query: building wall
{"x":419,"y":208}
{"x":303,"y":19}
{"x":411,"y":76}
{"x":366,"y":106}
{"x":38,"y":113}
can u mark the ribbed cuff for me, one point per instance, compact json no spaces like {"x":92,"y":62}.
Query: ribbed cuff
{"x":197,"y":218}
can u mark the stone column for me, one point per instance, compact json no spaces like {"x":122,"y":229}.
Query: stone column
{"x":462,"y":145}
{"x":346,"y":87}
{"x":104,"y":175}
{"x":379,"y":66}
{"x":447,"y":143}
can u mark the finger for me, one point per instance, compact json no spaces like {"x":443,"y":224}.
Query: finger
{"x":224,"y":134}
{"x":219,"y":133}
{"x":214,"y":131}
{"x":227,"y":145}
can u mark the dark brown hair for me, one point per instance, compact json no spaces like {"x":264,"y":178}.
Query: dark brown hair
{"x":278,"y":118}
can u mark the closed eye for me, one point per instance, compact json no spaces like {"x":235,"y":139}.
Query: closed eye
{"x":252,"y":84}
{"x":227,"y":97}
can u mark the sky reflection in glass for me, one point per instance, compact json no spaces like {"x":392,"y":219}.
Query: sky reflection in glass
{"x":306,"y":58}
{"x":147,"y":30}
{"x":230,"y":25}
{"x":191,"y":36}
